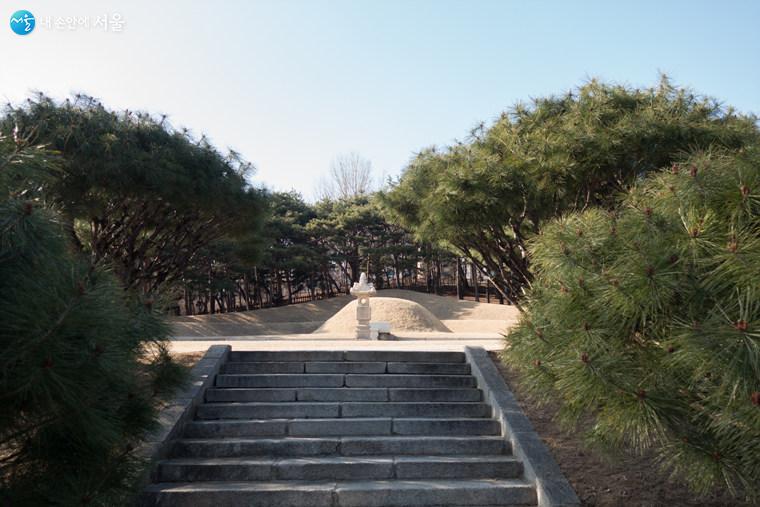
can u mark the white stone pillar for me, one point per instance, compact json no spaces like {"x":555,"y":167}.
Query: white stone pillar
{"x":363,"y":291}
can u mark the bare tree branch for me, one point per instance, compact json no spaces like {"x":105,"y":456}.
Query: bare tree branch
{"x":350,"y":176}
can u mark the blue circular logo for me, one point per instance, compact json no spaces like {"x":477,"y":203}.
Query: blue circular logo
{"x":22,"y":22}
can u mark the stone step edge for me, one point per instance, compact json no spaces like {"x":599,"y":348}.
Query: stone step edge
{"x":352,"y":426}
{"x":365,"y":493}
{"x":540,"y":468}
{"x":335,"y":380}
{"x":382,"y":394}
{"x":346,"y":388}
{"x":376,"y":467}
{"x":336,"y":367}
{"x":312,"y":375}
{"x":451,"y":484}
{"x":325,"y":403}
{"x":351,"y":437}
{"x":507,"y":458}
{"x":506,"y":448}
{"x":341,"y":409}
{"x":347,"y":356}
{"x":340,"y":446}
{"x":339,"y":419}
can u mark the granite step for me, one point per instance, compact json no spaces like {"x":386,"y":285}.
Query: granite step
{"x":339,"y":380}
{"x":344,"y":446}
{"x":351,"y":355}
{"x":358,"y":493}
{"x":242,"y":394}
{"x":341,"y":427}
{"x":322,"y":410}
{"x":339,"y":468}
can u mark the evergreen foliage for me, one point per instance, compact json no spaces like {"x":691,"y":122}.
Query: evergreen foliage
{"x":486,"y":197}
{"x":304,"y":248}
{"x":647,"y":319}
{"x":135,"y":193}
{"x":356,"y":236}
{"x":81,"y":359}
{"x":291,"y":259}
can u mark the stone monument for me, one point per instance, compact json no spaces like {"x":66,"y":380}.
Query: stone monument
{"x":363,"y":290}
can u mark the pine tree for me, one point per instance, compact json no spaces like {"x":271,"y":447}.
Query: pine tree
{"x":648,"y":319}
{"x":81,"y":359}
{"x":487,"y":197}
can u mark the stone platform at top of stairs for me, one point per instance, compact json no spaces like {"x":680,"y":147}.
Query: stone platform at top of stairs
{"x":372,"y":428}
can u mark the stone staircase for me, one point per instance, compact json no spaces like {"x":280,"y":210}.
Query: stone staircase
{"x":340,"y":429}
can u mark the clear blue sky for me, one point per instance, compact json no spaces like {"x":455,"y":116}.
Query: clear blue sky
{"x":291,"y":84}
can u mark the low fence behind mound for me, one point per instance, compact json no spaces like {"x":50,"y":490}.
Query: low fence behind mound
{"x":237,"y":301}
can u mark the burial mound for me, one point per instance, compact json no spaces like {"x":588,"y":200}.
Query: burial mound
{"x":402,"y":314}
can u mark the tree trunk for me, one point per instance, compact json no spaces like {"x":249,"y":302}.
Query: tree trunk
{"x":459,"y":279}
{"x":438,"y":274}
{"x":290,"y":289}
{"x":210,"y":289}
{"x":247,"y":285}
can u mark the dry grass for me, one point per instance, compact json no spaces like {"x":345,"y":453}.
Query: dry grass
{"x":187,"y":359}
